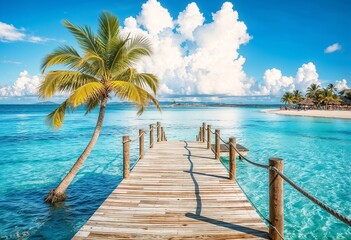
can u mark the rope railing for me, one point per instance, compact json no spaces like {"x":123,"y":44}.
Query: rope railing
{"x":248,"y":160}
{"x":275,"y":168}
{"x":134,"y":139}
{"x":299,"y":189}
{"x":313,"y":199}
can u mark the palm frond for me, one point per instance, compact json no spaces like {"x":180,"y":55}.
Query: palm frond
{"x":118,"y":56}
{"x":108,"y":30}
{"x":130,"y":51}
{"x":63,"y":80}
{"x":56,"y":117}
{"x":91,"y":104}
{"x":84,"y":36}
{"x":94,"y":60}
{"x":131,"y":92}
{"x":87,"y":92}
{"x":142,"y":80}
{"x":137,"y":47}
{"x":146,"y":79}
{"x":65,"y":55}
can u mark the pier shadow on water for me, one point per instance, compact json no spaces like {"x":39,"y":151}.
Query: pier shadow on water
{"x":39,"y":220}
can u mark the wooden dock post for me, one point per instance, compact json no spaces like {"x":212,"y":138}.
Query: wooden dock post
{"x":158,"y":132}
{"x":208,"y":136}
{"x":218,"y":144}
{"x":203,"y":132}
{"x":126,"y":156}
{"x":151,"y":136}
{"x":162,"y":134}
{"x":232,"y":159}
{"x":141,"y":143}
{"x":276,"y":200}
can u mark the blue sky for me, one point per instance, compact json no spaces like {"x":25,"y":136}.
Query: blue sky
{"x":285,"y":35}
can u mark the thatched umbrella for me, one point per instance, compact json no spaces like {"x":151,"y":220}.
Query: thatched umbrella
{"x":335,"y":102}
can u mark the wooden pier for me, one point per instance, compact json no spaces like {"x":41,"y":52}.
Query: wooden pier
{"x":177,"y":191}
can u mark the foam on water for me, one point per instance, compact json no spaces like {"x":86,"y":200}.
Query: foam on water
{"x":34,"y":158}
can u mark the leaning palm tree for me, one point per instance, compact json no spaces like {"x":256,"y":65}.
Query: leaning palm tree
{"x":288,"y":98}
{"x":104,"y":69}
{"x":297,"y":96}
{"x":313,"y":91}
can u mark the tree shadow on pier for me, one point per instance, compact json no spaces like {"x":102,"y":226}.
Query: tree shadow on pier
{"x":231,"y":226}
{"x":200,"y":156}
{"x":206,"y":174}
{"x":197,"y":215}
{"x":197,"y":191}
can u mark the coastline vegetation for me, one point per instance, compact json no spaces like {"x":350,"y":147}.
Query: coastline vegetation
{"x":105,"y":68}
{"x":318,"y":97}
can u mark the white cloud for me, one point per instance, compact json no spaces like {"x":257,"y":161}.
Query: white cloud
{"x":191,"y":57}
{"x":275,"y":84}
{"x":306,"y":75}
{"x":154,"y":17}
{"x":35,"y":39}
{"x":11,"y":62}
{"x":341,"y":85}
{"x":9,"y":33}
{"x":25,"y":85}
{"x":333,"y":48}
{"x":189,"y":20}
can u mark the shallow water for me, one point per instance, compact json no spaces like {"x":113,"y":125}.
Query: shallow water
{"x":34,"y":158}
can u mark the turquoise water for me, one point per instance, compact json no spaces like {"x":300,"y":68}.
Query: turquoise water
{"x":33,"y":159}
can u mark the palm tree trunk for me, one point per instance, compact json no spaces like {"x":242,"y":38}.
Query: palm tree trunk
{"x":58,"y":194}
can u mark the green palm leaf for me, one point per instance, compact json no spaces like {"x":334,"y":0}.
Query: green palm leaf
{"x":84,"y":36}
{"x":108,"y":31}
{"x":131,"y":92}
{"x":62,"y":81}
{"x":144,"y":80}
{"x":56,"y":117}
{"x":92,"y":90}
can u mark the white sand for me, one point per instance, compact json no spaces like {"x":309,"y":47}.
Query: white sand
{"x":313,"y":113}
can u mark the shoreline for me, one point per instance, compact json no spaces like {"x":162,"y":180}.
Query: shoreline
{"x":312,"y":113}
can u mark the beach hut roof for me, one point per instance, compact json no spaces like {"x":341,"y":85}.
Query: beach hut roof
{"x":335,"y":102}
{"x":306,"y":101}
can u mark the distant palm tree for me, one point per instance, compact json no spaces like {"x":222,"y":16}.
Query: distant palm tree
{"x":288,"y":98}
{"x":297,"y":96}
{"x":313,"y":91}
{"x":332,"y":87}
{"x":326,"y":96}
{"x":104,"y":69}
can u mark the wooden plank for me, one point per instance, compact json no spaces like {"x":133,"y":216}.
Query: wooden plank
{"x":178,"y":191}
{"x":224,"y":148}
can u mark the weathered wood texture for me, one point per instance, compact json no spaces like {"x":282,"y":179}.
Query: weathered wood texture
{"x":224,"y":149}
{"x":178,"y":191}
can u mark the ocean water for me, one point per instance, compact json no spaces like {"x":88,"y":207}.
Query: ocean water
{"x":34,"y":158}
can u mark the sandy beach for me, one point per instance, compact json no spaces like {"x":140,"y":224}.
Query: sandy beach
{"x":313,"y":113}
